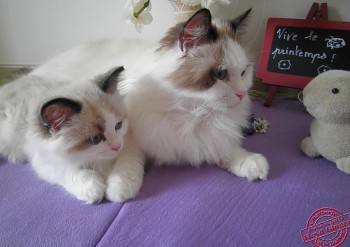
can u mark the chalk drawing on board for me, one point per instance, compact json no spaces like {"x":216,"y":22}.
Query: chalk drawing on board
{"x":323,"y":68}
{"x":335,"y":42}
{"x":284,"y":65}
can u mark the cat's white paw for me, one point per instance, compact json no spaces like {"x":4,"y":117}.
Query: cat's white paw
{"x":121,"y":188}
{"x":344,"y":164}
{"x":254,"y":166}
{"x":16,"y":159}
{"x":88,"y":186}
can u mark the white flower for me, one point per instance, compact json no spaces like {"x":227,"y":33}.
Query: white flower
{"x":212,"y":5}
{"x":260,"y":125}
{"x":191,"y":2}
{"x":224,"y":2}
{"x":205,"y":3}
{"x":139,"y":13}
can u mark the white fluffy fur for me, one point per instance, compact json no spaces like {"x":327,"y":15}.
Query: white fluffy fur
{"x":91,"y":59}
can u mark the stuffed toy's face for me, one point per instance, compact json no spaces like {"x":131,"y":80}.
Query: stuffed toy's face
{"x":327,"y":97}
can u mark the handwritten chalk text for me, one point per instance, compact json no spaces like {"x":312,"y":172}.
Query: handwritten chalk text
{"x":283,"y":34}
{"x":297,"y":52}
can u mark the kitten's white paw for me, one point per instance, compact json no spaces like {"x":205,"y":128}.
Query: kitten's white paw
{"x":88,"y":187}
{"x":122,"y":188}
{"x":16,"y":159}
{"x":254,"y":166}
{"x":344,"y":164}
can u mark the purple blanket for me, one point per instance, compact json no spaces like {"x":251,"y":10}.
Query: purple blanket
{"x":192,"y":206}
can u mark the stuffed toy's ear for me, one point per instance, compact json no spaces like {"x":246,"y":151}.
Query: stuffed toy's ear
{"x":197,"y":30}
{"x":110,"y":80}
{"x":239,"y":21}
{"x":57,"y":112}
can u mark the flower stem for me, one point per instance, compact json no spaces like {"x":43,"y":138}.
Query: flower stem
{"x":143,"y":7}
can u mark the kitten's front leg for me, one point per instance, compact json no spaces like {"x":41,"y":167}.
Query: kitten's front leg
{"x":86,"y":184}
{"x":246,"y":164}
{"x":126,"y":178}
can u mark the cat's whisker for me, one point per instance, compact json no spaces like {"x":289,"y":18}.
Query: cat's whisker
{"x":260,"y":23}
{"x":191,"y":120}
{"x":256,"y":95}
{"x":202,"y":112}
{"x":234,"y":8}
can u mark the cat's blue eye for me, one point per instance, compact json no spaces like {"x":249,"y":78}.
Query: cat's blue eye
{"x":242,"y":74}
{"x":96,"y":139}
{"x":220,"y":74}
{"x":118,"y":125}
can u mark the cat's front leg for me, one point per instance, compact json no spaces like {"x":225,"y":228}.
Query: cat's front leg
{"x":85,"y":184}
{"x":126,"y":178}
{"x":246,"y":164}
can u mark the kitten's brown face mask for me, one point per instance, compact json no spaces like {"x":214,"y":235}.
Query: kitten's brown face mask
{"x":58,"y":112}
{"x":92,"y":126}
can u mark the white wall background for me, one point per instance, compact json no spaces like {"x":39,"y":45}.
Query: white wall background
{"x":32,"y":31}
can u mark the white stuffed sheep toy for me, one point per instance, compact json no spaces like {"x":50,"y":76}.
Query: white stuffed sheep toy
{"x":327,"y":99}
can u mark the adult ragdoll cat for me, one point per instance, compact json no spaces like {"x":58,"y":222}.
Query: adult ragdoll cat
{"x":70,"y":132}
{"x":187,"y":102}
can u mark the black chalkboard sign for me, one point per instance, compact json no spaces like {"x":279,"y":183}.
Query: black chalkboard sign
{"x":308,"y":51}
{"x":295,"y":50}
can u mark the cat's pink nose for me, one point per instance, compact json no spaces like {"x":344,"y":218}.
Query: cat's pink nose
{"x":116,"y":147}
{"x":241,"y":95}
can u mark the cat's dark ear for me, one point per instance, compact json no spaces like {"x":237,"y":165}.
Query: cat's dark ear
{"x":197,"y":30}
{"x":109,"y":81}
{"x":240,"y":21}
{"x":57,"y":112}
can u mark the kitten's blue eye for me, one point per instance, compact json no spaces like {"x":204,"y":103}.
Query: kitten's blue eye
{"x":220,"y":74}
{"x":242,"y":74}
{"x":118,"y":125}
{"x":96,"y":139}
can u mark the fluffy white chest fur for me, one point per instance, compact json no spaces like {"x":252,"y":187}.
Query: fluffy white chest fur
{"x":182,"y":129}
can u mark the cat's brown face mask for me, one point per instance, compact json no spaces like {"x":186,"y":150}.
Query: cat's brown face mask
{"x":199,"y":30}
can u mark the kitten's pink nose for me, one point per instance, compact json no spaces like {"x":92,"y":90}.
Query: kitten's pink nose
{"x":241,"y":94}
{"x":116,"y":147}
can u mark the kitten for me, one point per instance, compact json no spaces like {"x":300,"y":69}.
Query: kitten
{"x":71,"y":133}
{"x":187,"y":103}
